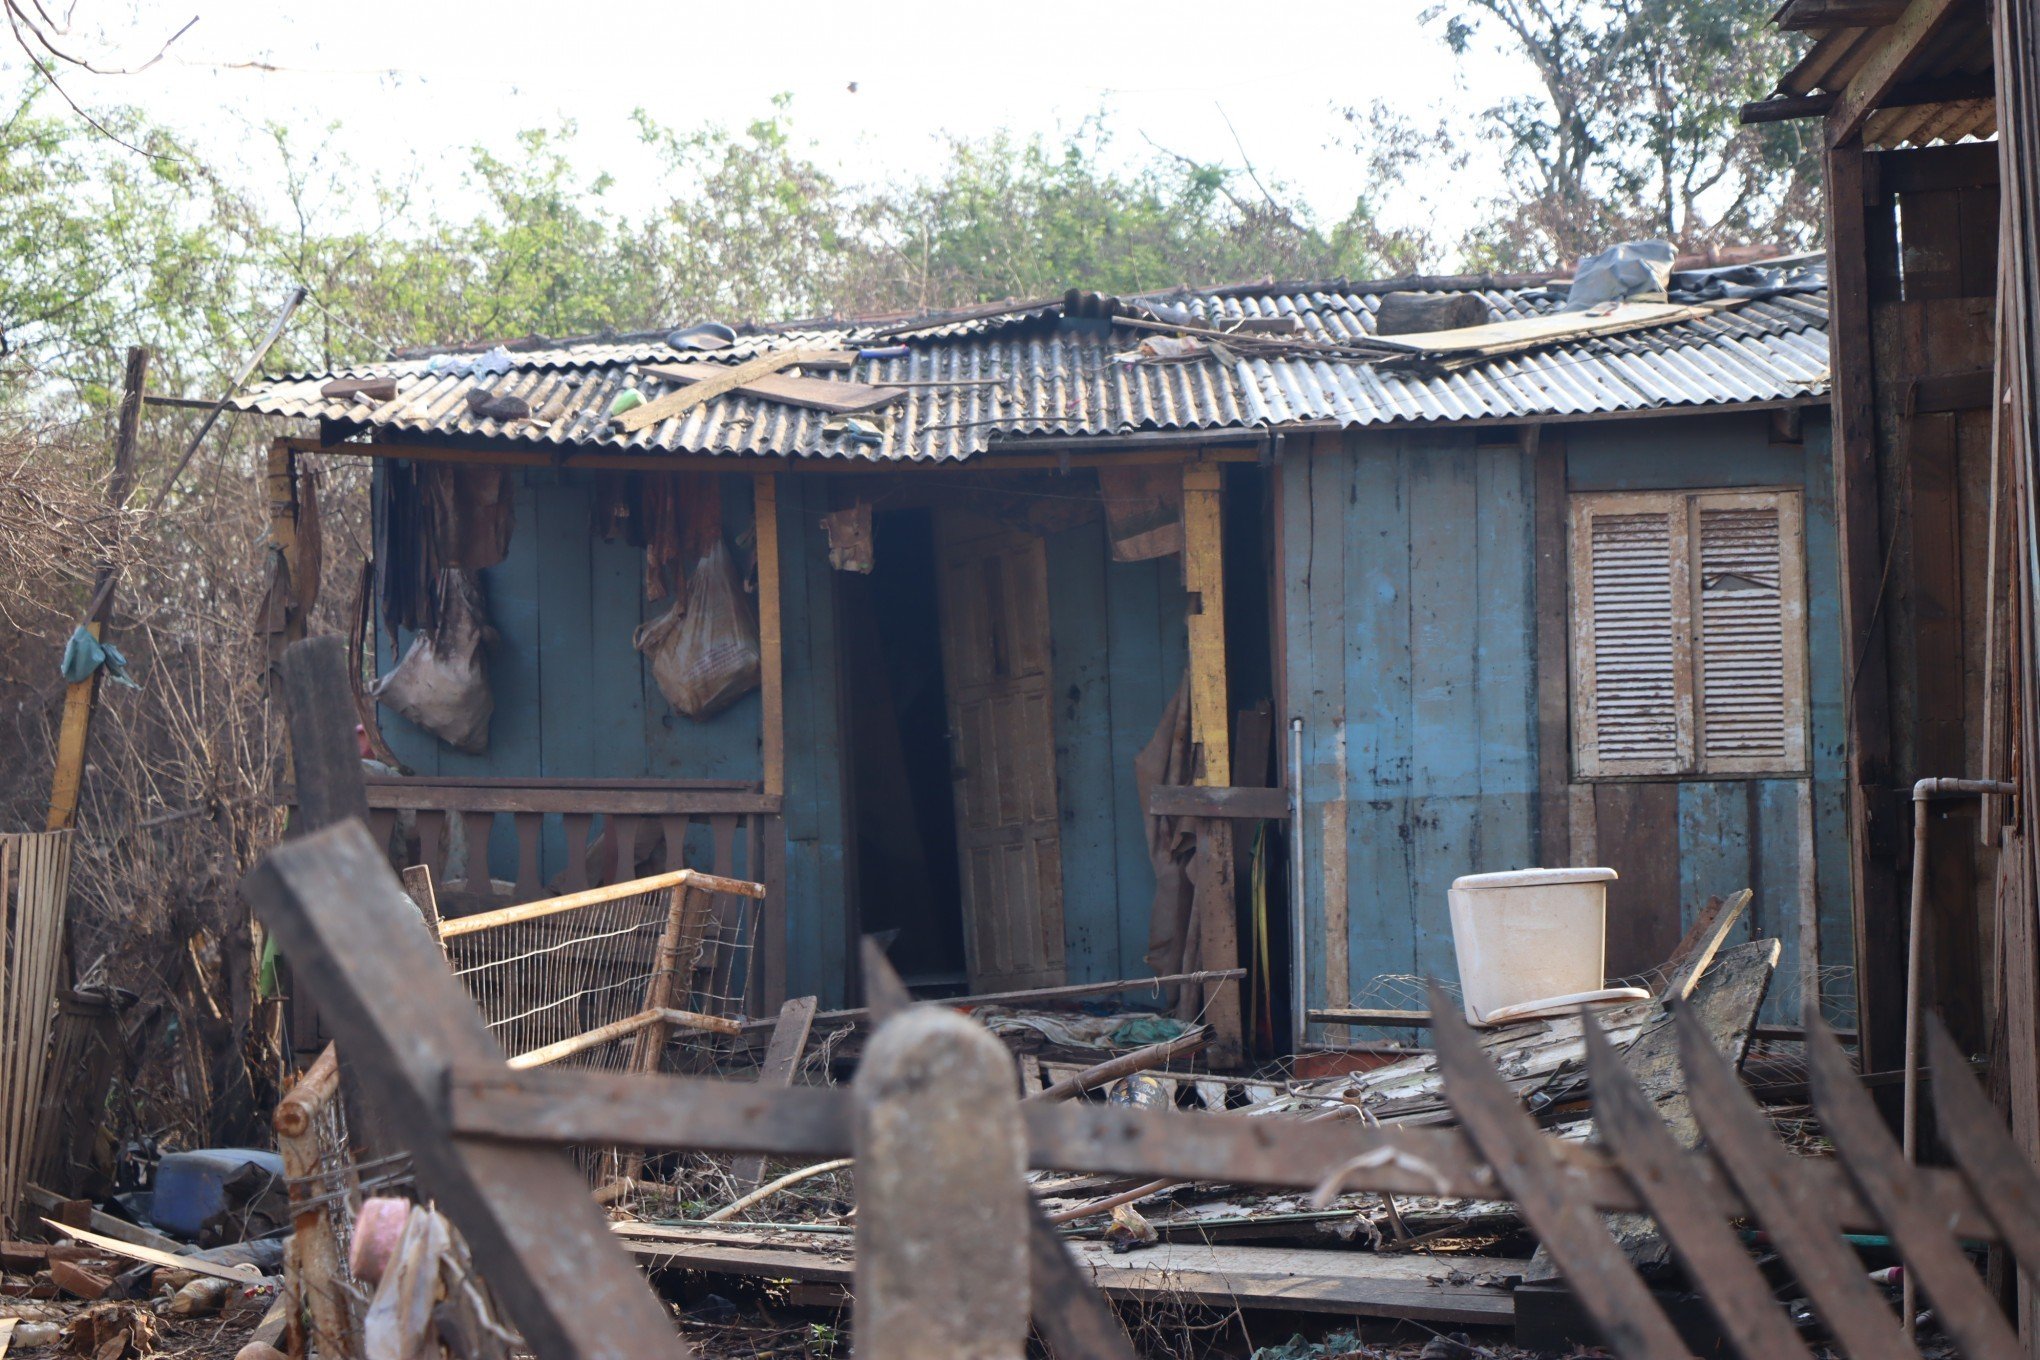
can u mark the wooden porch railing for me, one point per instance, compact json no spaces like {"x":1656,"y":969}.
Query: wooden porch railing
{"x":600,"y":832}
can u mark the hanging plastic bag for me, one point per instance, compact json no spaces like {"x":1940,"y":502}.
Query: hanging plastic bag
{"x":704,"y":650}
{"x":442,"y":683}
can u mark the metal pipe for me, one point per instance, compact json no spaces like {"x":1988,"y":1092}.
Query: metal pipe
{"x":1923,"y":793}
{"x":1298,"y":1030}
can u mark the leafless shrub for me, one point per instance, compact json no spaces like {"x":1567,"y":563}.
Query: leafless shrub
{"x":180,"y":789}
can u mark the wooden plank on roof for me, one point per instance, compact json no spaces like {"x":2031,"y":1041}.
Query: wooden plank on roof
{"x":1866,"y":89}
{"x":708,"y":389}
{"x":1504,"y":336}
{"x":816,"y":394}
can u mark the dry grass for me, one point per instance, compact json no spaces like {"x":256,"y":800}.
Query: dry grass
{"x":179,"y":795}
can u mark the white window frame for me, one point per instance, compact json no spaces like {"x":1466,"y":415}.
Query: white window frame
{"x":1683,"y":509}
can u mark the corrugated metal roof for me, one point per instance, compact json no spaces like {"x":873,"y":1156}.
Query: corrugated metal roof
{"x":1031,"y":372}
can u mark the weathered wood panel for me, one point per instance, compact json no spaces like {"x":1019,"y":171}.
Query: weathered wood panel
{"x":1410,"y":610}
{"x":1118,"y":638}
{"x":1409,"y":578}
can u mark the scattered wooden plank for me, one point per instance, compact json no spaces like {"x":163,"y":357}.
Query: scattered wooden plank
{"x":815,"y":394}
{"x":113,"y":1246}
{"x":1785,"y":1202}
{"x":1435,"y":1290}
{"x":679,"y":403}
{"x":1714,"y":1257}
{"x":1989,"y":1160}
{"x":356,"y":942}
{"x":1552,"y":1203}
{"x":1245,"y":804}
{"x":782,"y":1060}
{"x":1866,"y":1148}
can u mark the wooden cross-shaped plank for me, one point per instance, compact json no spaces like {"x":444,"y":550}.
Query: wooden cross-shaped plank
{"x":356,"y":940}
{"x":1600,"y":1275}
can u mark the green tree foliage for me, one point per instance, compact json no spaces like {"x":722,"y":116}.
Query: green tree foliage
{"x":1635,"y":132}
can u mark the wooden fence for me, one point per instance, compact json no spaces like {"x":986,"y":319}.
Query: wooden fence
{"x":486,"y":1141}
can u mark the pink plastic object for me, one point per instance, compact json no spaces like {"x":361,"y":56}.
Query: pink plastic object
{"x":376,"y":1230}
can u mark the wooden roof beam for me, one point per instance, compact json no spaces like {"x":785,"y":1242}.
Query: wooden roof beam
{"x":1913,"y":93}
{"x":1805,"y":14}
{"x":1870,"y":86}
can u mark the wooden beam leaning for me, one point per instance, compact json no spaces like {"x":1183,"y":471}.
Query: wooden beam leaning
{"x":1867,"y":88}
{"x":1799,"y":1220}
{"x":356,"y":941}
{"x":1557,"y":1211}
{"x":1965,"y":1307}
{"x":2004,"y":1181}
{"x":1657,"y":1166}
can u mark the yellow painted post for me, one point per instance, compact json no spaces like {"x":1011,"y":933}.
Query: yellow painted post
{"x":1204,"y":576}
{"x":68,"y":779}
{"x":1210,"y":729}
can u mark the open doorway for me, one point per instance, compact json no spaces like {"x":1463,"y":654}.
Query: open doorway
{"x":901,"y":806}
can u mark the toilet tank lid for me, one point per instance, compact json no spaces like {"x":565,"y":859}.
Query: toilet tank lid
{"x":1532,"y":878}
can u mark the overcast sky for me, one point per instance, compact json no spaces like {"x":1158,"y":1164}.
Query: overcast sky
{"x":407,"y":87}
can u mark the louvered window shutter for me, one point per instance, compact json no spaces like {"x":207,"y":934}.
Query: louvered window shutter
{"x":1689,"y":625}
{"x":1632,"y":699}
{"x":1751,"y":617}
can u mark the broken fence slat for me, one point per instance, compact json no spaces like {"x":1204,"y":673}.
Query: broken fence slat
{"x":1599,"y":1274}
{"x":782,"y":1059}
{"x":1056,"y":1303}
{"x":1660,"y":1170}
{"x":1701,"y":944}
{"x":2003,"y":1180}
{"x":357,"y":943}
{"x":1965,"y":1307}
{"x":1069,"y":1311}
{"x":1785,"y":1202}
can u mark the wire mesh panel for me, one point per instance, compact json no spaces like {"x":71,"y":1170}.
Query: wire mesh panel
{"x":601,"y":979}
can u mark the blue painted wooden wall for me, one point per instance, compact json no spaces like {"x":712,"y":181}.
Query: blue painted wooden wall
{"x":1117,"y":630}
{"x":1408,"y":603}
{"x":573,"y":698}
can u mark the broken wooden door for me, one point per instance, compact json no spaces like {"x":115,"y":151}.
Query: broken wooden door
{"x":995,"y":662}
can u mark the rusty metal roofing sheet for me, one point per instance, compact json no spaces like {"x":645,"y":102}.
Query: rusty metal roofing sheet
{"x":975,"y":380}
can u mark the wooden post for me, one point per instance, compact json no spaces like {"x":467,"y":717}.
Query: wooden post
{"x":1204,"y":578}
{"x":67,"y":781}
{"x":942,"y":1203}
{"x":283,"y":539}
{"x":1879,"y":933}
{"x":768,"y":845}
{"x":771,"y":649}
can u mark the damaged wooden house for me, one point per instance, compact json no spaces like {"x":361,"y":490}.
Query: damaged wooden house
{"x":1100,"y":638}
